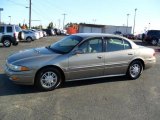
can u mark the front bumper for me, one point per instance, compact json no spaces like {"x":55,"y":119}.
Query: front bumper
{"x":25,"y":78}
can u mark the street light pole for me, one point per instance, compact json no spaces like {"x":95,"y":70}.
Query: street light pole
{"x":134,"y":21}
{"x":127,"y":23}
{"x":9,"y":19}
{"x":64,"y":19}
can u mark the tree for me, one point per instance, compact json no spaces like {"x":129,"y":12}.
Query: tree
{"x":71,"y":25}
{"x":50,"y":26}
{"x":20,"y":25}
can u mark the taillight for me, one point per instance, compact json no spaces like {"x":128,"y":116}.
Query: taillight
{"x":14,"y":35}
{"x":154,"y":53}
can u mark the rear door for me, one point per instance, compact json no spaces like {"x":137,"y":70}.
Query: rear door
{"x":90,"y":63}
{"x":118,"y":56}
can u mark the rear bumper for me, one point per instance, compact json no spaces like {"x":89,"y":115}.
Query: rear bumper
{"x":14,"y":40}
{"x":150,"y":62}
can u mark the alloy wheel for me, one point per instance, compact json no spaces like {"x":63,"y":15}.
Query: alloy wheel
{"x":49,"y":79}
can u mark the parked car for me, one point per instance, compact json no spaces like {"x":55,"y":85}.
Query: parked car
{"x":44,"y":33}
{"x":129,"y":36}
{"x":152,"y":36}
{"x":10,"y":34}
{"x":64,"y":32}
{"x":118,"y":33}
{"x":30,"y":35}
{"x":138,"y":37}
{"x":39,"y":32}
{"x":78,"y":57}
{"x":50,"y":32}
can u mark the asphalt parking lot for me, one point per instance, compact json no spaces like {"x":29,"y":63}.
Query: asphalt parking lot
{"x":114,"y":98}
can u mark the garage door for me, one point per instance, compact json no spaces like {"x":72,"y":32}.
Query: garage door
{"x":92,"y":30}
{"x":86,"y":29}
{"x":96,"y":30}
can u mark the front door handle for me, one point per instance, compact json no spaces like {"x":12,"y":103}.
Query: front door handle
{"x":99,"y":57}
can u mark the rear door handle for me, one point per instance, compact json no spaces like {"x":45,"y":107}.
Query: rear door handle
{"x":130,"y":53}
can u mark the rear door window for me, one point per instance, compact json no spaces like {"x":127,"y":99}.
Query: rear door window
{"x":9,"y":29}
{"x":114,"y":44}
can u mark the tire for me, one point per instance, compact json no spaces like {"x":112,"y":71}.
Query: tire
{"x":29,"y":39}
{"x":154,"y":42}
{"x":48,"y":79}
{"x":135,"y":70}
{"x":6,"y":42}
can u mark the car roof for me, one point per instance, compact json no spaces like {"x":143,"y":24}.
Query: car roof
{"x":87,"y":35}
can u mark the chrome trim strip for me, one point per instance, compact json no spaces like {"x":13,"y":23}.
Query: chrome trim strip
{"x":97,"y":77}
{"x":84,"y":67}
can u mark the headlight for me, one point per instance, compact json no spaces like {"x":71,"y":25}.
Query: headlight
{"x":17,"y":68}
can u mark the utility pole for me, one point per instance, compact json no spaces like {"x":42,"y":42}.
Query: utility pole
{"x":64,"y":19}
{"x":94,"y":21}
{"x":134,"y":21}
{"x":149,"y":25}
{"x":29,"y":14}
{"x":1,"y":9}
{"x":59,"y":21}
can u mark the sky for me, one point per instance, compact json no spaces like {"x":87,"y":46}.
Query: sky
{"x":103,"y":12}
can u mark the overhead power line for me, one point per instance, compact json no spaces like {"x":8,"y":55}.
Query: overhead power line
{"x":16,"y":3}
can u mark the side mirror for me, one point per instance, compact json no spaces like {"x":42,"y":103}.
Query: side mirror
{"x":78,"y":51}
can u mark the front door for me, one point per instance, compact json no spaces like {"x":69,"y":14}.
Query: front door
{"x":89,"y":63}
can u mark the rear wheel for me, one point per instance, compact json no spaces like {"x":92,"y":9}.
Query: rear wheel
{"x":48,"y":79}
{"x":154,"y":42}
{"x":6,"y":42}
{"x":135,"y":69}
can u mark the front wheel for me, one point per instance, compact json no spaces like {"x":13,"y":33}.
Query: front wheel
{"x":135,"y":69}
{"x":48,"y":79}
{"x":29,"y":39}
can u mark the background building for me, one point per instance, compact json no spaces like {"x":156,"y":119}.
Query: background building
{"x":93,"y":28}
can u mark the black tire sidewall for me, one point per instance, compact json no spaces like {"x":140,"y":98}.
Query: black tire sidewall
{"x":141,"y":69}
{"x":41,"y":72}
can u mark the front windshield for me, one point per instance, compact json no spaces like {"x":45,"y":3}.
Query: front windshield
{"x":66,"y":44}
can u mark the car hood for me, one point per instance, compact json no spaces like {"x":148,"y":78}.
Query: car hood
{"x":31,"y":53}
